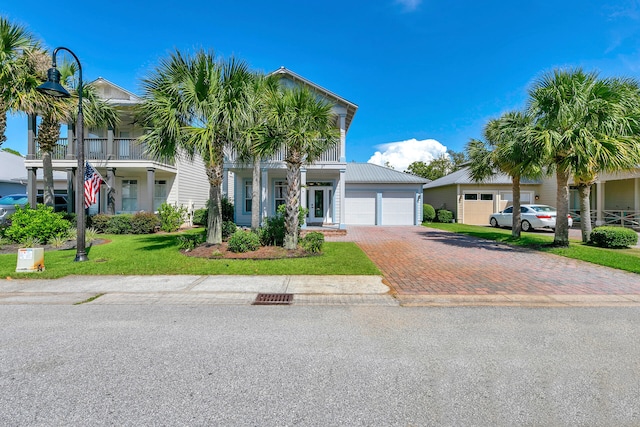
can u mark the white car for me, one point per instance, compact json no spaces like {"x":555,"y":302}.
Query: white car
{"x":532,"y":216}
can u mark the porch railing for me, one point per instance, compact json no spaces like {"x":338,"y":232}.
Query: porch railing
{"x":97,"y":149}
{"x":625,"y":218}
{"x":330,"y":156}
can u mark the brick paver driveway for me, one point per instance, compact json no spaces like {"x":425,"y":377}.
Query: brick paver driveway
{"x":426,"y":261}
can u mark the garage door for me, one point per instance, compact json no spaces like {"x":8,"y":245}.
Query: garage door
{"x":398,"y":208}
{"x":360,"y":207}
{"x":477,"y":207}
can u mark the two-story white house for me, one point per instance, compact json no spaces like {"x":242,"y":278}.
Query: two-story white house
{"x":335,"y":192}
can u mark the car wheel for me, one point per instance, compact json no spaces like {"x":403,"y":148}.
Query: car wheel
{"x":494,"y":222}
{"x":526,"y":226}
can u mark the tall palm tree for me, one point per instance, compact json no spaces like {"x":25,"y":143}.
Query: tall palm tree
{"x":507,"y":150}
{"x":256,"y":132}
{"x":98,"y":113}
{"x":16,"y":42}
{"x":584,"y":125}
{"x":305,"y":125}
{"x":195,"y":105}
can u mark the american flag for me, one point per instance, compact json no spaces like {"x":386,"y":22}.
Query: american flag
{"x":92,"y":181}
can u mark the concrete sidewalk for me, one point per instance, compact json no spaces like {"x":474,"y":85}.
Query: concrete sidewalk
{"x":196,"y":290}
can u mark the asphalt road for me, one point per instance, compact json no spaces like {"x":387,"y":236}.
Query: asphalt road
{"x":280,"y":366}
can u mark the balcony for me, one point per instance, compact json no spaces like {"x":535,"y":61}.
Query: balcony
{"x":330,"y":156}
{"x":98,"y":149}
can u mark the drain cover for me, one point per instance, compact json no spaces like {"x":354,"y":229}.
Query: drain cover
{"x":273,"y":299}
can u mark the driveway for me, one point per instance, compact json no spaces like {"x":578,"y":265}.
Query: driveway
{"x":426,"y":261}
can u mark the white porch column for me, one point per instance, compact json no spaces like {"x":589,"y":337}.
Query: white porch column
{"x":342,"y":201}
{"x":599,"y":203}
{"x":636,"y":195}
{"x":110,"y":145}
{"x":71,"y":142}
{"x":151,"y":180}
{"x":264,"y":193}
{"x":303,"y":192}
{"x":111,"y":192}
{"x":343,"y":138}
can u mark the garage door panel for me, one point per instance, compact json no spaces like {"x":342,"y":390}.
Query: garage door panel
{"x":398,"y":208}
{"x":477,"y":212}
{"x":360,"y":207}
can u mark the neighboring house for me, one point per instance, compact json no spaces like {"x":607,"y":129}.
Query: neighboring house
{"x":615,"y":199}
{"x":136,"y":182}
{"x":13,"y":176}
{"x":335,"y":192}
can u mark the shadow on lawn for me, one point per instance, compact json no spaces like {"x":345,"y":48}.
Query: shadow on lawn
{"x":153,"y":242}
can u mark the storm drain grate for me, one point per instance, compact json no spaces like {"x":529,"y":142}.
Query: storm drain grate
{"x":273,"y":299}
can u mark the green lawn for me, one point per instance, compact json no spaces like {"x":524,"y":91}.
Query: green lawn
{"x":622,"y":259}
{"x":159,"y":254}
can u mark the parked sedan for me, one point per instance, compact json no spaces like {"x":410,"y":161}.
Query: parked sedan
{"x":532,"y":216}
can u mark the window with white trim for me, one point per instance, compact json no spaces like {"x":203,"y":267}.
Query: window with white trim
{"x":159,"y":194}
{"x":247,"y":196}
{"x":129,"y":195}
{"x":280,"y":193}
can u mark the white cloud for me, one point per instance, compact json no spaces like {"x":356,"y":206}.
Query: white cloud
{"x":401,"y":154}
{"x":409,"y":5}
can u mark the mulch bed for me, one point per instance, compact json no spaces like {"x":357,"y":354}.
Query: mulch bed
{"x":264,"y":252}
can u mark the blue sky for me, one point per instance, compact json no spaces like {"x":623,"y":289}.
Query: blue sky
{"x":426,"y":74}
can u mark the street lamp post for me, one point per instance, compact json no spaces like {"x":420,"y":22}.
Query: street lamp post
{"x":53,"y":87}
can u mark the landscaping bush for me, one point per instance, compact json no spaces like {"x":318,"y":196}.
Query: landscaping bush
{"x":228,"y":228}
{"x":243,"y":241}
{"x":100,"y":222}
{"x":119,"y":224}
{"x":189,"y":241}
{"x":200,"y":217}
{"x":228,"y":211}
{"x":171,"y":216}
{"x":613,"y":237}
{"x":444,"y":215}
{"x":312,"y":242}
{"x":428,"y":213}
{"x":41,"y":224}
{"x":144,"y":223}
{"x":272,"y":231}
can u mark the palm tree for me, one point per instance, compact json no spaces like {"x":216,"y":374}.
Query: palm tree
{"x":305,"y":126}
{"x":584,"y":125}
{"x":15,"y":44}
{"x":98,"y":113}
{"x":507,"y":150}
{"x":256,"y":131}
{"x":195,"y":105}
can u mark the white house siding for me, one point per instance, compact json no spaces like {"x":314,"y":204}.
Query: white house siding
{"x":382,"y":204}
{"x":191,"y":184}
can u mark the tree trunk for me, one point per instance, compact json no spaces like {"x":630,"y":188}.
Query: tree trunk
{"x":255,"y":195}
{"x":3,"y":122}
{"x":47,"y":173}
{"x":585,"y":211}
{"x":214,"y":218}
{"x":516,"y":227}
{"x":561,"y":237}
{"x":293,"y":203}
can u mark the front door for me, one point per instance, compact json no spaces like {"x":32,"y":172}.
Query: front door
{"x":319,"y":203}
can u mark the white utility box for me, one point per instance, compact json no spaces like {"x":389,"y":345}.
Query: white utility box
{"x":30,"y":259}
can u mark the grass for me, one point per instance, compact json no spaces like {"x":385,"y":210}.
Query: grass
{"x":159,"y":254}
{"x":621,"y":259}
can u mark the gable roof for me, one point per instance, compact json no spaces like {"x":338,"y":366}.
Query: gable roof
{"x":114,"y":94}
{"x":350,"y":106}
{"x":462,"y":176}
{"x":12,"y":168}
{"x":368,"y":173}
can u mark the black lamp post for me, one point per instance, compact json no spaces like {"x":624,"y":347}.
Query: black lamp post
{"x":53,"y":87}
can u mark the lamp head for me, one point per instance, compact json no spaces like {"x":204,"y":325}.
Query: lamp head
{"x":52,"y":86}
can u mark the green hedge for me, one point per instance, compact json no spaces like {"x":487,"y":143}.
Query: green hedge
{"x":614,"y":237}
{"x":244,"y":241}
{"x":428,"y":213}
{"x":444,"y":215}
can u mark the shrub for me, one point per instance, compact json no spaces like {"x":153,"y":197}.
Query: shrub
{"x":228,"y":228}
{"x":189,"y":241}
{"x":171,"y":216}
{"x":312,"y":242}
{"x":228,"y":211}
{"x":428,"y":213}
{"x":272,"y":231}
{"x":100,"y":222}
{"x":144,"y":223}
{"x":41,"y":224}
{"x":613,"y":237}
{"x":200,"y":217}
{"x":444,"y":215}
{"x":243,"y":241}
{"x":119,"y":224}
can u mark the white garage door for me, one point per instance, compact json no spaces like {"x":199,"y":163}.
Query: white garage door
{"x":360,"y":207}
{"x":398,"y":208}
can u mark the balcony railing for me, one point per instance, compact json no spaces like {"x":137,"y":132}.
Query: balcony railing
{"x":330,"y":156}
{"x":97,"y":149}
{"x":626,"y":218}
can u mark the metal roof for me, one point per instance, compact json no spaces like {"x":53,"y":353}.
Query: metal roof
{"x":369,"y":173}
{"x":462,"y":176}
